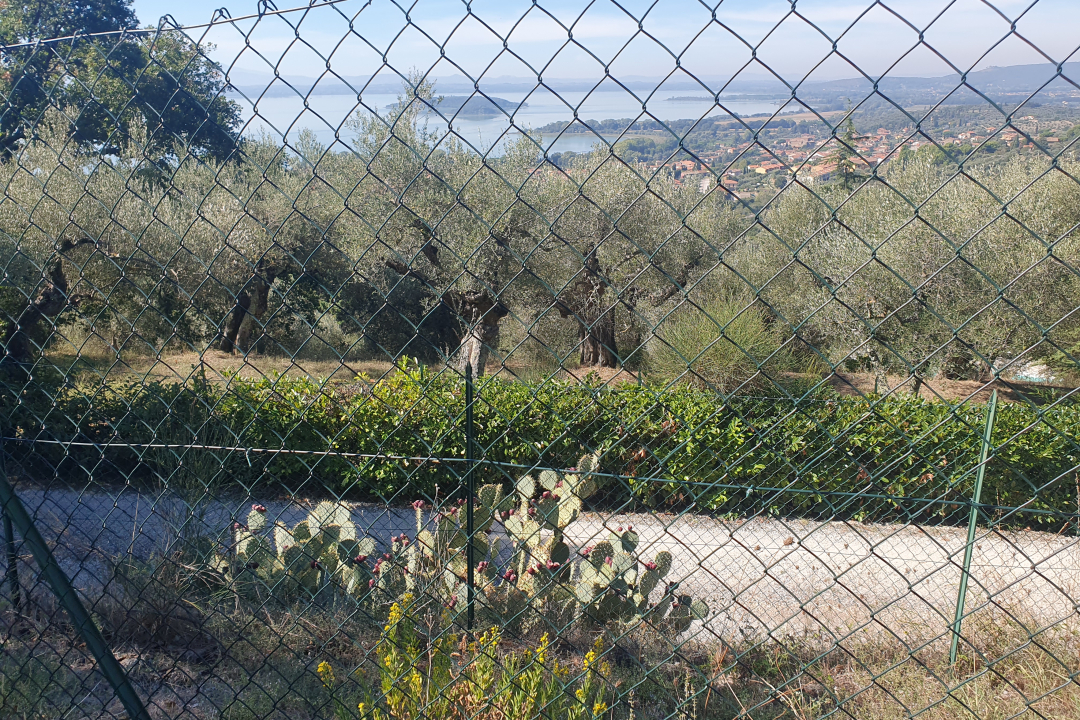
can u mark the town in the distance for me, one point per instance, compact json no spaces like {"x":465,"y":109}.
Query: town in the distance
{"x":754,"y":156}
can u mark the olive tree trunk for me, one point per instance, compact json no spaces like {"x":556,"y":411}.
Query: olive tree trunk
{"x":19,"y":345}
{"x":232,"y":325}
{"x":245,"y":321}
{"x":252,"y":324}
{"x":596,"y":323}
{"x":480,"y":314}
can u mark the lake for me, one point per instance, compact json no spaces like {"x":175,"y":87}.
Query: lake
{"x":325,"y":115}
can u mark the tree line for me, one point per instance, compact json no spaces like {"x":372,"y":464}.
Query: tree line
{"x":150,"y":222}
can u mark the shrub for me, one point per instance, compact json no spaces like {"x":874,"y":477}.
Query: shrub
{"x":900,"y":457}
{"x":720,"y":343}
{"x":477,"y":680}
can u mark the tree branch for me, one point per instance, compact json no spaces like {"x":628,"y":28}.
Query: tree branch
{"x":405,"y":271}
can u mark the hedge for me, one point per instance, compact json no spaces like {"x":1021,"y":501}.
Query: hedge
{"x":823,"y":456}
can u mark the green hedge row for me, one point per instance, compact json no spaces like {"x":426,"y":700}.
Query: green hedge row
{"x":860,"y":458}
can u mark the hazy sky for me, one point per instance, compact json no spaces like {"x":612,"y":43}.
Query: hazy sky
{"x":630,"y":38}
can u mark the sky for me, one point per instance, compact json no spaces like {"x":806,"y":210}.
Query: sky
{"x":651,"y":38}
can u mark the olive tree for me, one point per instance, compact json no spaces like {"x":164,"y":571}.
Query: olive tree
{"x":619,"y":240}
{"x":86,"y":237}
{"x":927,"y":269}
{"x":436,"y":214}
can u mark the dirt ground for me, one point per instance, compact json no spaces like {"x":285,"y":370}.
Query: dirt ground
{"x":954,"y":391}
{"x":219,"y":366}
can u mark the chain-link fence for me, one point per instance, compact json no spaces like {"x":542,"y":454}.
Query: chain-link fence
{"x":359,"y":364}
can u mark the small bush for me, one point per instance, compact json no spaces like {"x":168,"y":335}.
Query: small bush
{"x":474,"y":680}
{"x":721,"y":343}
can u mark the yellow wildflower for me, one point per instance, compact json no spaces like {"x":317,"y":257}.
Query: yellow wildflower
{"x":491,"y":638}
{"x":592,"y":655}
{"x":395,"y":616}
{"x":599,"y":709}
{"x":417,"y":683}
{"x":580,"y":694}
{"x":326,"y":674}
{"x":541,"y":651}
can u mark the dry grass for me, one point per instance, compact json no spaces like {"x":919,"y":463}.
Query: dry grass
{"x":860,"y":384}
{"x":1007,"y":672}
{"x":254,"y":661}
{"x":217,"y":365}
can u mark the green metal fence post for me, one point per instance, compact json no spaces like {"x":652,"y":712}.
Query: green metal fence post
{"x":9,"y":543}
{"x":988,"y":430}
{"x":470,"y":561}
{"x":12,"y":560}
{"x":65,"y":593}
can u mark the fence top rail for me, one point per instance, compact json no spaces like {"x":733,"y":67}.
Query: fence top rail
{"x":166,"y":23}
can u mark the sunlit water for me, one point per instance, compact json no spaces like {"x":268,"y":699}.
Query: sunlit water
{"x":326,"y":116}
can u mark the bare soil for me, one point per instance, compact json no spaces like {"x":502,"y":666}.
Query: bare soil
{"x":944,"y":389}
{"x":219,"y":367}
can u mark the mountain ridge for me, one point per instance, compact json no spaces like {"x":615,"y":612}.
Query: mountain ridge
{"x":1009,"y":86}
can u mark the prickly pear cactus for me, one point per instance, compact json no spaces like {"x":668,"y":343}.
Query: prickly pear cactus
{"x":545,"y":507}
{"x":323,"y":556}
{"x":319,"y":555}
{"x":614,"y":587}
{"x":437,"y":563}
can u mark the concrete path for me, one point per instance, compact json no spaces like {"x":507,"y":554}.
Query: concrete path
{"x":759,"y":576}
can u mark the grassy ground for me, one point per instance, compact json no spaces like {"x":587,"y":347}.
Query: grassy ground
{"x":91,"y":363}
{"x":217,"y":365}
{"x":196,"y":652}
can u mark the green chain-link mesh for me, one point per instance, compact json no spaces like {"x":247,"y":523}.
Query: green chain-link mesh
{"x":318,"y":410}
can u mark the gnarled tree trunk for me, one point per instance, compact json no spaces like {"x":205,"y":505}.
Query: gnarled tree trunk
{"x":481,"y":315}
{"x":50,"y":302}
{"x":477,"y":310}
{"x":232,"y":325}
{"x":596,"y":323}
{"x":251,"y":326}
{"x":597,"y":340}
{"x":245,"y":321}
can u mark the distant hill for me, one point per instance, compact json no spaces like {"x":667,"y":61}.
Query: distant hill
{"x":1001,"y":84}
{"x":478,"y":106}
{"x":1008,"y":85}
